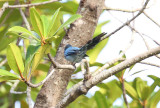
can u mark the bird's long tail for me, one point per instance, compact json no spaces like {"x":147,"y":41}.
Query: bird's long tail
{"x":92,"y":43}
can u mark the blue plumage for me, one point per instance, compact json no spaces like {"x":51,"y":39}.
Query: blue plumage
{"x":75,"y":54}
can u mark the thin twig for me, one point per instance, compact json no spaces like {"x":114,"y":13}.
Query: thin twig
{"x":3,"y":8}
{"x":3,"y":62}
{"x":131,"y":41}
{"x":121,"y":10}
{"x":29,"y":100}
{"x":25,"y":19}
{"x":151,"y":19}
{"x":127,"y":21}
{"x":151,"y":64}
{"x":124,"y":93}
{"x":12,"y":90}
{"x":40,"y":83}
{"x":30,"y":5}
{"x":60,"y":66}
{"x":142,"y":34}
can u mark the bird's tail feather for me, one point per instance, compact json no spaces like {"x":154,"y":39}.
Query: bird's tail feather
{"x":92,"y":43}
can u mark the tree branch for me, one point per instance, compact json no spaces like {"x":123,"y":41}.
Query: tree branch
{"x":77,"y":35}
{"x":85,"y":71}
{"x":29,"y":97}
{"x":40,"y":83}
{"x":127,"y":23}
{"x":59,"y":66}
{"x":81,"y":89}
{"x":151,"y":64}
{"x":12,"y":90}
{"x":124,"y":93}
{"x":3,"y":8}
{"x":151,"y":19}
{"x":25,"y":19}
{"x":3,"y":62}
{"x":30,"y":5}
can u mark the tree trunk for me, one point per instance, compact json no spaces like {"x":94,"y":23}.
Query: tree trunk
{"x":78,"y":34}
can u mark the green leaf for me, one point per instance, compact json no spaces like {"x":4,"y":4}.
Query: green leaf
{"x":93,"y":53}
{"x":6,"y":40}
{"x":131,"y":91}
{"x":156,"y":82}
{"x":6,"y":78}
{"x":107,"y":90}
{"x":69,"y":7}
{"x":14,"y":58}
{"x":3,"y":30}
{"x":140,"y":86}
{"x":31,"y":51}
{"x":153,"y":77}
{"x":6,"y":75}
{"x":52,"y":23}
{"x":45,"y":24}
{"x":36,"y":22}
{"x":50,"y":39}
{"x":21,"y":32}
{"x":146,"y":92}
{"x":38,"y":56}
{"x":69,"y":21}
{"x":154,"y":100}
{"x":100,"y":100}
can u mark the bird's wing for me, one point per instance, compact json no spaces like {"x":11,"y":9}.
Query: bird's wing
{"x":72,"y":51}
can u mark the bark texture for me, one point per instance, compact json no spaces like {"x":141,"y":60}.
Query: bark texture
{"x":78,"y":34}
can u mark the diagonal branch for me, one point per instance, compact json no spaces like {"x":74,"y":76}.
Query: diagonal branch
{"x":40,"y":83}
{"x":81,"y":89}
{"x":127,"y":23}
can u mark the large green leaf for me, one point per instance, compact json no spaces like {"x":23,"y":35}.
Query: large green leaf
{"x":146,"y":92}
{"x":154,"y":100}
{"x":21,"y":32}
{"x":45,"y":24}
{"x":140,"y":87}
{"x":6,"y":75}
{"x":69,"y":7}
{"x":107,"y":90}
{"x":10,"y":13}
{"x":155,"y":83}
{"x":14,"y":58}
{"x":31,"y":51}
{"x":131,"y":91}
{"x":52,"y":25}
{"x":83,"y":102}
{"x":100,"y":100}
{"x":69,"y":21}
{"x":36,"y":22}
{"x":6,"y":40}
{"x":93,"y":53}
{"x":38,"y":56}
{"x":3,"y":31}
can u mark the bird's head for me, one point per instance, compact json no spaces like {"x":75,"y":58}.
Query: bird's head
{"x":67,"y":46}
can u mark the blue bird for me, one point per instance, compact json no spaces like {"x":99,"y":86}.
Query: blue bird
{"x":75,"y":54}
